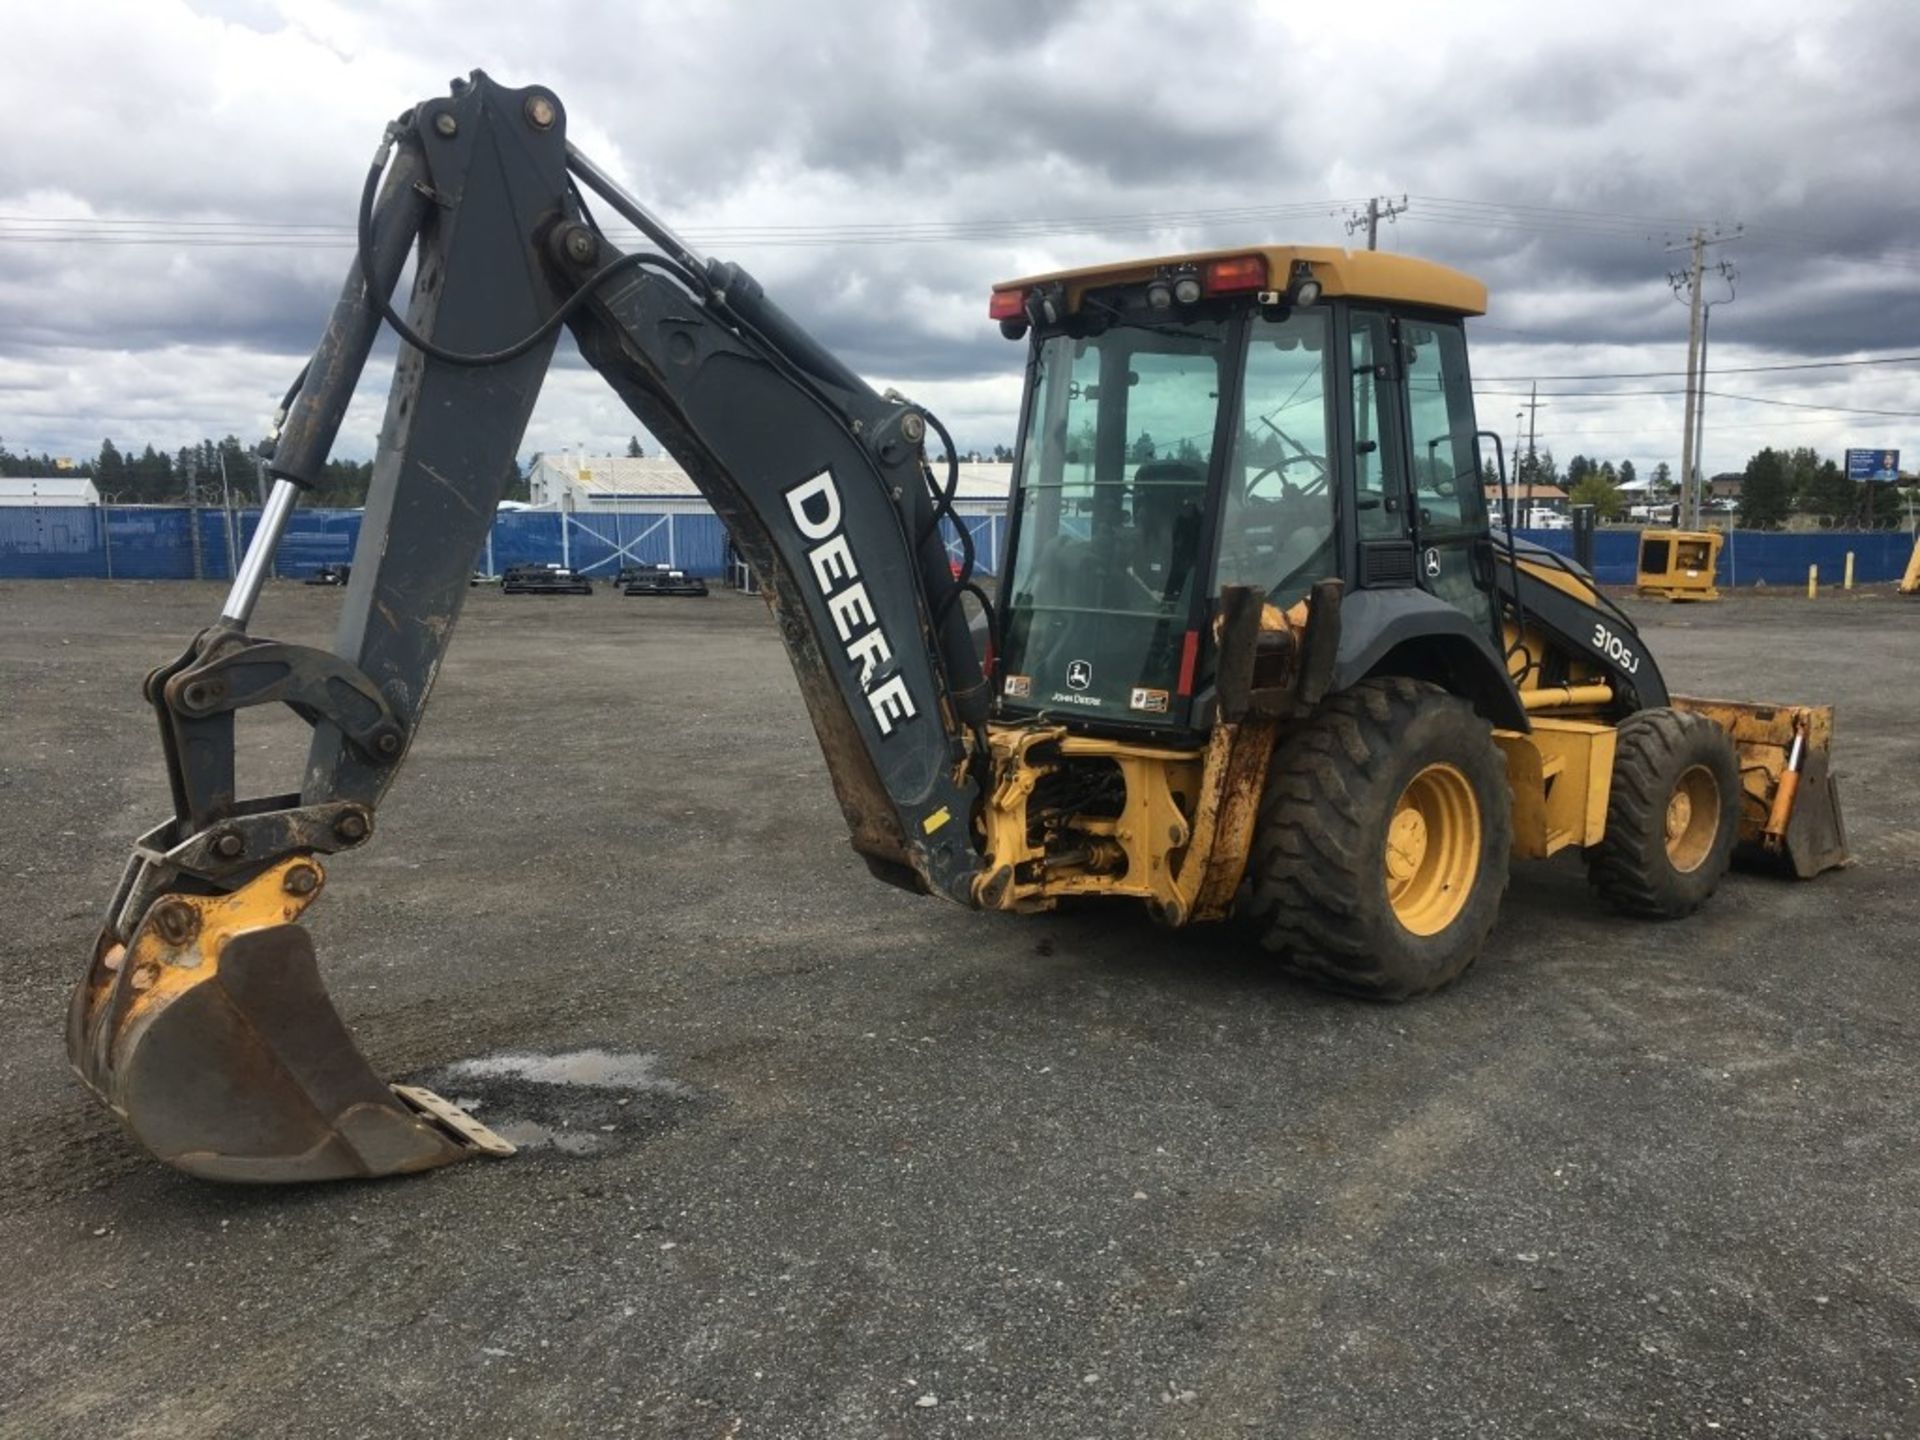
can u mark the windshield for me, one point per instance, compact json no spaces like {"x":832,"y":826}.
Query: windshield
{"x":1111,"y":520}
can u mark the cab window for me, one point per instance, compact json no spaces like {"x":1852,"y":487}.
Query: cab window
{"x":1378,"y":484}
{"x":1445,"y":455}
{"x":1110,"y":529}
{"x":1278,"y":517}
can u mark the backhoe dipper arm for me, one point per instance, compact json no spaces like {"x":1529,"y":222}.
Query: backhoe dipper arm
{"x":201,"y":1019}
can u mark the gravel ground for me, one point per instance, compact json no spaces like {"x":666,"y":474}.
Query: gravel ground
{"x":860,"y":1164}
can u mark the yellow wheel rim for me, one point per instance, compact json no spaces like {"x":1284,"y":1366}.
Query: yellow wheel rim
{"x":1693,"y":818}
{"x":1432,"y":850}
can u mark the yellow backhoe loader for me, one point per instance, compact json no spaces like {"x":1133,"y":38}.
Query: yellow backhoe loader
{"x":1255,"y":648}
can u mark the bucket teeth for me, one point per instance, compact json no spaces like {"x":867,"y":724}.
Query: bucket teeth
{"x":210,"y":1034}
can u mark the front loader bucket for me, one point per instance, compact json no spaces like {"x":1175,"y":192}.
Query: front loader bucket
{"x":210,"y":1034}
{"x":1816,"y":836}
{"x":1810,"y":836}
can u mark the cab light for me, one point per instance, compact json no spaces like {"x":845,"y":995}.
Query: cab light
{"x":1007,"y":305}
{"x":1239,"y":272}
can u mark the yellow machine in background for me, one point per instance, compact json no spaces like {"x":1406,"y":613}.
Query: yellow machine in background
{"x":1679,"y":564}
{"x":1910,"y":582}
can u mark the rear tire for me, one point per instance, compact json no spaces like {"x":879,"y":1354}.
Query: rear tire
{"x":1383,"y":841}
{"x":1673,"y":814}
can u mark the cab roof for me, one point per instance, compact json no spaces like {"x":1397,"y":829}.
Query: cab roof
{"x":1359,"y":274}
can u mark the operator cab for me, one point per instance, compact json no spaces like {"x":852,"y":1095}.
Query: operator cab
{"x":1266,"y":419}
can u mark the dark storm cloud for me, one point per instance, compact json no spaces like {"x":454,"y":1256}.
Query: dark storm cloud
{"x":1626,"y":123}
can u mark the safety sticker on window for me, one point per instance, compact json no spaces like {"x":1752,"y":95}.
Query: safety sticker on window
{"x":1153,"y":702}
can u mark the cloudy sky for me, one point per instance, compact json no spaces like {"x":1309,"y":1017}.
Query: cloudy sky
{"x":177,"y":198}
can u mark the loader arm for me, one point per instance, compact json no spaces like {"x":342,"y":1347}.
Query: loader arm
{"x":201,"y":1019}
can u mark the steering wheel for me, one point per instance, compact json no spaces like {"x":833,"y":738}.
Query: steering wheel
{"x":1288,"y":489}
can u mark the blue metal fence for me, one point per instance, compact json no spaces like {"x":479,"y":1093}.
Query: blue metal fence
{"x":1754,"y":556}
{"x":154,"y":542}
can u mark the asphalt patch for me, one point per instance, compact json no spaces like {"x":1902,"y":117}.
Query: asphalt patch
{"x":574,"y":1105}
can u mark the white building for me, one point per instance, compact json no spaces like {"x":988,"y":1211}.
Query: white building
{"x":48,"y":490}
{"x":589,"y":483}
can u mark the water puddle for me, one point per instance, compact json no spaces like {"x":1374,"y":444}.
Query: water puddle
{"x":600,"y":1069}
{"x":532,"y":1135}
{"x":576,"y":1103}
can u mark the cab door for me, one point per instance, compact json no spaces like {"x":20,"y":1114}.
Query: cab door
{"x":1446,"y":506}
{"x":1382,"y":533}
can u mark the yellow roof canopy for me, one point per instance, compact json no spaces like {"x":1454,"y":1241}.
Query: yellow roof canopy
{"x":1358,"y":274}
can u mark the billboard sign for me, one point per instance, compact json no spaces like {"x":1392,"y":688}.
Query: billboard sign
{"x":1873,"y":465}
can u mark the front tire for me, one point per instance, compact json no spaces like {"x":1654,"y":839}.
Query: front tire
{"x":1673,"y":814}
{"x":1384,"y":838}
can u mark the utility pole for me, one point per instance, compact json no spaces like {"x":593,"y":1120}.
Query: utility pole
{"x":1379,"y":207}
{"x":1533,"y":408}
{"x":1696,"y":245}
{"x":1726,"y":272}
{"x":1519,"y":429}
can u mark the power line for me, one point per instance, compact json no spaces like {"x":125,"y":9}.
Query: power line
{"x":1565,"y":218}
{"x":1716,"y":394}
{"x":1724,"y":370}
{"x":1379,"y":208}
{"x":129,"y":231}
{"x":1806,"y":405}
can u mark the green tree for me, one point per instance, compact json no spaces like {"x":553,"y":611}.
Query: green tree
{"x":1803,"y":468}
{"x":518,"y":487}
{"x":110,"y":470}
{"x":1627,"y":473}
{"x":1662,"y":480}
{"x":1828,"y":493}
{"x":1766,"y":491}
{"x":1578,"y":468}
{"x":634,"y":452}
{"x":152,"y":477}
{"x":1141,"y":450}
{"x":1536,"y":468}
{"x":186,"y":474}
{"x":1595,"y":489}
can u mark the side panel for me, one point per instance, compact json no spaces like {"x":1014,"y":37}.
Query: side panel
{"x":1414,"y":633}
{"x":1557,"y":599}
{"x":1562,"y":773}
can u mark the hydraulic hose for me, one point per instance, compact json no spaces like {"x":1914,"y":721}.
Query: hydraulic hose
{"x":540,"y":333}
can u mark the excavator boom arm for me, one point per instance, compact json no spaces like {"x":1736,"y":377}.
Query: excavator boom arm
{"x":824,"y":487}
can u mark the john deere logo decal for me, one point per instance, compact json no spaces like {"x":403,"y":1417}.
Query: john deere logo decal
{"x":1079,"y":674}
